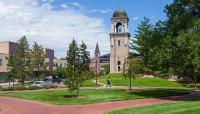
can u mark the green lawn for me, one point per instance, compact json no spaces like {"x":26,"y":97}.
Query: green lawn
{"x":88,"y":83}
{"x":92,"y":96}
{"x":119,"y":80}
{"x":179,"y":107}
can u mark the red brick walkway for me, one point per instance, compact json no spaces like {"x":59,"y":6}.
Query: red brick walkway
{"x":20,"y":106}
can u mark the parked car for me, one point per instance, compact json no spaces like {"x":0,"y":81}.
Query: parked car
{"x":38,"y":83}
{"x":57,"y":80}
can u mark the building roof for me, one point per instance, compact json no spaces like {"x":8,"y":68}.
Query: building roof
{"x":6,"y":42}
{"x":120,"y":13}
{"x":97,"y":51}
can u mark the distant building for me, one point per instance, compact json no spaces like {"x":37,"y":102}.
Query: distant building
{"x":98,"y":61}
{"x":49,"y":56}
{"x":119,"y":40}
{"x":3,"y":62}
{"x":105,"y":59}
{"x":59,"y":63}
{"x":7,"y":48}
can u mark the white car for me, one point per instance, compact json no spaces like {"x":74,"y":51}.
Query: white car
{"x":39,"y":83}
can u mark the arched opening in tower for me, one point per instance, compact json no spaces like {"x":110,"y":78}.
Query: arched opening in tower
{"x":119,"y":27}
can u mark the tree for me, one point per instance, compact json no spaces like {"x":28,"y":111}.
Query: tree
{"x":172,"y":46}
{"x":148,"y":41}
{"x":12,"y":69}
{"x":187,"y":54}
{"x":60,"y":72}
{"x":77,"y":66}
{"x":181,"y":14}
{"x":37,"y":59}
{"x":84,"y":57}
{"x":143,"y":38}
{"x":132,"y":67}
{"x":22,"y":60}
{"x":106,"y":68}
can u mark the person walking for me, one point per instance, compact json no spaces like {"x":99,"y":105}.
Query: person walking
{"x":108,"y":82}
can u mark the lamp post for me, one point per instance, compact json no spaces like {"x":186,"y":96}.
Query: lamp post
{"x":96,"y":62}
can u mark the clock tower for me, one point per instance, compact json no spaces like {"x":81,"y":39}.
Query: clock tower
{"x":119,"y":41}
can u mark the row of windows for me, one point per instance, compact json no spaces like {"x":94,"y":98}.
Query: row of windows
{"x":60,"y":65}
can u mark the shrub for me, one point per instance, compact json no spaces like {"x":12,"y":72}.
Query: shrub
{"x":1,"y":88}
{"x":19,"y":88}
{"x":33,"y":88}
{"x":50,"y":86}
{"x":16,"y":88}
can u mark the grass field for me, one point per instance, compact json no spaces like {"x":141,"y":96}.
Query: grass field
{"x":119,"y":80}
{"x":179,"y":107}
{"x":88,"y":83}
{"x":92,"y":96}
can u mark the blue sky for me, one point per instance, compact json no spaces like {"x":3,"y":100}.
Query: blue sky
{"x":136,"y":9}
{"x":54,"y":23}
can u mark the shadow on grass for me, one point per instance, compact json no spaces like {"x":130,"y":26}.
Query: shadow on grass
{"x":175,"y":94}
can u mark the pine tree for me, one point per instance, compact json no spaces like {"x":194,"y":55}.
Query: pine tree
{"x":21,"y":57}
{"x":72,"y":73}
{"x":37,"y":59}
{"x":12,"y":68}
{"x":84,"y":57}
{"x":77,"y":66}
{"x":142,"y":44}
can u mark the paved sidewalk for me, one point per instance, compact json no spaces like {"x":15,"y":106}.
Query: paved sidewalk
{"x":20,"y":106}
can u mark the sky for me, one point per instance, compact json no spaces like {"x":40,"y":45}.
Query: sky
{"x":54,"y":23}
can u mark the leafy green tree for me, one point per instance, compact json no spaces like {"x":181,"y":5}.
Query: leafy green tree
{"x":106,"y":68}
{"x":60,"y":72}
{"x":131,"y":68}
{"x":37,"y":59}
{"x":181,"y":14}
{"x":22,"y":61}
{"x":187,"y":54}
{"x":172,"y":46}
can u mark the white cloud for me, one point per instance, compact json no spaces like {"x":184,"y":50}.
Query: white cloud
{"x":100,"y":10}
{"x":135,"y":18}
{"x":72,"y":5}
{"x":51,"y":28}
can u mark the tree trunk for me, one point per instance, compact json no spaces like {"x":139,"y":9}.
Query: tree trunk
{"x":130,"y":83}
{"x":78,"y":92}
{"x":13,"y":83}
{"x":96,"y":81}
{"x":195,"y":82}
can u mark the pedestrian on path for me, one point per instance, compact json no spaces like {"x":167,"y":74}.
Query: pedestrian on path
{"x":108,"y":84}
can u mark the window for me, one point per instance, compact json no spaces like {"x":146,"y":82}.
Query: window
{"x":119,"y":68}
{"x":0,"y":62}
{"x":118,"y":62}
{"x":118,"y":42}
